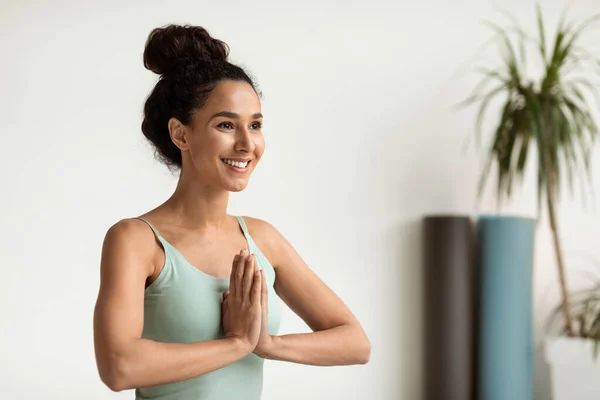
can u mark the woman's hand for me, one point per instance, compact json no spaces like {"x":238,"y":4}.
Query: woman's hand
{"x":265,"y":341}
{"x":241,"y":307}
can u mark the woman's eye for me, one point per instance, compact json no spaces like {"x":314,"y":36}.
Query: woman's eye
{"x":229,"y":125}
{"x":226,"y":125}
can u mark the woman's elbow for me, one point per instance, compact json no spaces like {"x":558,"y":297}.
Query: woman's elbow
{"x":364,"y":351}
{"x":114,"y":374}
{"x":362,"y":347}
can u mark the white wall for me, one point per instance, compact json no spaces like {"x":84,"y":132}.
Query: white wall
{"x":361,"y":142}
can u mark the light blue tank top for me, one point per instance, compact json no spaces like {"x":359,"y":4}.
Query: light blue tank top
{"x":183,"y":305}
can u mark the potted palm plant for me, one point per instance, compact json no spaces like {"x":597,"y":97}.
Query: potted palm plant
{"x":554,"y":115}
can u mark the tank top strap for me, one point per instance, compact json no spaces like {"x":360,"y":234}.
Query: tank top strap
{"x":243,"y":226}
{"x":251,"y":244}
{"x":156,"y":232}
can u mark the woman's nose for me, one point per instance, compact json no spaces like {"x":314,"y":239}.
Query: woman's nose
{"x":244,"y":141}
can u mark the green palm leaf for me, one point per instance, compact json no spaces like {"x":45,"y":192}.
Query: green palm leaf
{"x":554,"y":115}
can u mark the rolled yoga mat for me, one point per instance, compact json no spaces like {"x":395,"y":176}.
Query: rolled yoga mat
{"x":506,"y":246}
{"x":449,"y":283}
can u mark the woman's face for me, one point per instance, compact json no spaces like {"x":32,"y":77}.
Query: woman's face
{"x":224,"y":142}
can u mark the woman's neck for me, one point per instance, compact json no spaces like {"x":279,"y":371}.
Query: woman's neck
{"x":198,"y":207}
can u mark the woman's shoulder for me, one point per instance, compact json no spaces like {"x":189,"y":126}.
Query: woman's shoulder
{"x":131,"y":234}
{"x":268,"y":238}
{"x":130,"y":228}
{"x":260,"y":229}
{"x":129,"y":245}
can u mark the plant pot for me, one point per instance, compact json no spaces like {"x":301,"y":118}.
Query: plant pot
{"x":574,"y":372}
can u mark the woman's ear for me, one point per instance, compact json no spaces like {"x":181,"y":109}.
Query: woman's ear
{"x":178,"y":134}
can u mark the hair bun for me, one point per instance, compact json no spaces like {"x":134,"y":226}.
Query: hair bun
{"x":170,"y":47}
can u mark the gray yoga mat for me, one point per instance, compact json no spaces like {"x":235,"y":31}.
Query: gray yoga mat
{"x":450,"y":314}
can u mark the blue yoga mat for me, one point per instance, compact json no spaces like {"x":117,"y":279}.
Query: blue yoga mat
{"x":506,"y":247}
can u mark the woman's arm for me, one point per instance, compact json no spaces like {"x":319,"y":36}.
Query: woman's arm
{"x":337,"y":337}
{"x":124,"y":359}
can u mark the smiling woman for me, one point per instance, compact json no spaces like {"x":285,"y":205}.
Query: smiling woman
{"x":190,"y":297}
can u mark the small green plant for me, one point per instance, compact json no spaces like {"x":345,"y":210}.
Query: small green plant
{"x":553,"y":113}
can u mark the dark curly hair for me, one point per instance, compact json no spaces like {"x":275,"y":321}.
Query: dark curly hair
{"x":191,"y":64}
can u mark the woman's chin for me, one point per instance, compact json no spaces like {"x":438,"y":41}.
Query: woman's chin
{"x":236,"y":186}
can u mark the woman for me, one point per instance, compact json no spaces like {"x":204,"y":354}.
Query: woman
{"x":190,"y":297}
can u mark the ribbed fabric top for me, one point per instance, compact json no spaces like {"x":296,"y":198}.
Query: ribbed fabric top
{"x":183,"y":305}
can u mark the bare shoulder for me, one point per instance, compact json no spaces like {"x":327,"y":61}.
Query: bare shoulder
{"x":270,"y":241}
{"x":129,"y":239}
{"x":259,"y":228}
{"x":132,"y":233}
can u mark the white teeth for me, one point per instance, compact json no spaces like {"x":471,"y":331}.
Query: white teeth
{"x":237,"y":164}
